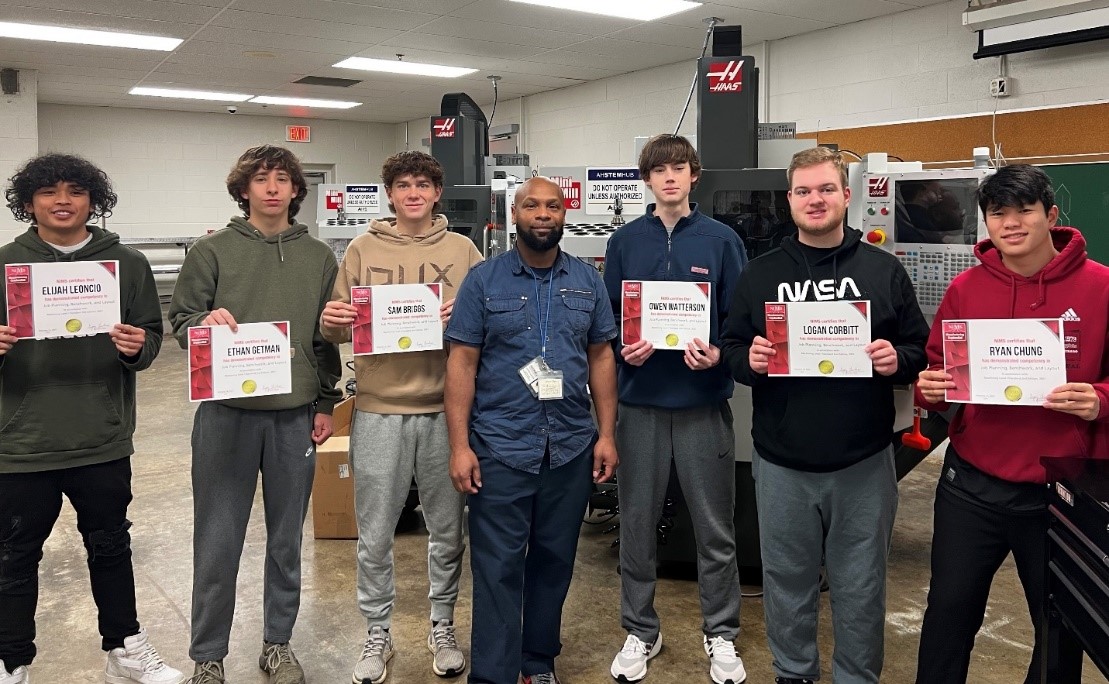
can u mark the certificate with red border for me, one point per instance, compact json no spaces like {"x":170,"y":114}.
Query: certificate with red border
{"x":819,"y":339}
{"x":1009,"y":362}
{"x":62,"y":299}
{"x":255,"y":361}
{"x":394,"y":319}
{"x":667,"y":313}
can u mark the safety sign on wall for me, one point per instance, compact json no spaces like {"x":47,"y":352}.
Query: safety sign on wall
{"x":362,"y":199}
{"x":604,"y":185}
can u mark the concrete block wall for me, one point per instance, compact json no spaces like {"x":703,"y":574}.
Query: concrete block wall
{"x":169,"y":168}
{"x":18,"y":141}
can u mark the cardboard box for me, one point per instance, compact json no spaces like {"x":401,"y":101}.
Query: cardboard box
{"x":333,"y":488}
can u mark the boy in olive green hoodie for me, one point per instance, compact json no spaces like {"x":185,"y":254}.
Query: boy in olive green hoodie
{"x":261,"y":268}
{"x":67,"y":416}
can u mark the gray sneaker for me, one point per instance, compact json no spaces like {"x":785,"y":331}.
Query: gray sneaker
{"x":210,"y":672}
{"x":280,"y":664}
{"x":448,"y":660}
{"x":373,"y":664}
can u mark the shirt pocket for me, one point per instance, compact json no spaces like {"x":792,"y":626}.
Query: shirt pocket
{"x":506,"y":316}
{"x":579,"y":309}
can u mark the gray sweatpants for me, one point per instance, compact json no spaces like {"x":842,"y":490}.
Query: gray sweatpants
{"x":848,"y":515}
{"x":701,"y":443}
{"x":386,"y":451}
{"x":230,"y":447}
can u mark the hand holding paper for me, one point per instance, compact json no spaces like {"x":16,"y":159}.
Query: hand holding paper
{"x":1075,"y":398}
{"x":759,"y":354}
{"x":128,"y":339}
{"x":7,"y":338}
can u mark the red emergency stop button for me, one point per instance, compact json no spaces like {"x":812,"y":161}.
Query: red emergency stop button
{"x":885,"y":211}
{"x":876,"y":237}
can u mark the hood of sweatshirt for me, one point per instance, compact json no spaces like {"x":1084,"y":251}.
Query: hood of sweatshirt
{"x":386,"y":229}
{"x":245,"y":228}
{"x":1072,"y":254}
{"x":101,"y":240}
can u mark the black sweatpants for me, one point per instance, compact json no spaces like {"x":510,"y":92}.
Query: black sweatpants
{"x":29,"y":507}
{"x":969,"y":544}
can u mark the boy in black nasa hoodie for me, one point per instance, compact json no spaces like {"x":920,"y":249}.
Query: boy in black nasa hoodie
{"x":823,"y":461}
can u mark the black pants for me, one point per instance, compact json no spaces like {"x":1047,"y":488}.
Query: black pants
{"x":969,"y":544}
{"x":29,"y":507}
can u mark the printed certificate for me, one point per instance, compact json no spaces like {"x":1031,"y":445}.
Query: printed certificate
{"x":668,"y":314}
{"x":819,"y":339}
{"x":62,"y":299}
{"x":397,"y":318}
{"x":1012,"y":361}
{"x":256,"y":361}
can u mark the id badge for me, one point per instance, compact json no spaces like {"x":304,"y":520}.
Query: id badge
{"x":531,"y":372}
{"x":550,"y":385}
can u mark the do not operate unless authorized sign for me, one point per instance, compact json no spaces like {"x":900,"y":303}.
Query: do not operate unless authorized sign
{"x":362,"y":199}
{"x":604,"y":185}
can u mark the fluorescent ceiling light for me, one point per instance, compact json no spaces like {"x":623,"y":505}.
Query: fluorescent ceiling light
{"x":641,"y":10}
{"x":191,"y":94}
{"x":394,"y":66}
{"x":58,"y":34}
{"x":305,"y":102}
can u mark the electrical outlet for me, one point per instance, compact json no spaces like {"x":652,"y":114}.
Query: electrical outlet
{"x":1001,"y":86}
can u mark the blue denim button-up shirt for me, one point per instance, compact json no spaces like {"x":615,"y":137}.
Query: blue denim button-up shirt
{"x":497,"y":309}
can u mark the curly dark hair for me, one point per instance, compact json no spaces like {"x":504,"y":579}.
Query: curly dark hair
{"x":48,"y":170}
{"x":416,"y":163}
{"x":266,"y":158}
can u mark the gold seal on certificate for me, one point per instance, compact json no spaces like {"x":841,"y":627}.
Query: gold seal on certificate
{"x":62,"y":299}
{"x":819,"y":339}
{"x":255,"y":361}
{"x":669,"y":314}
{"x":391,"y":319}
{"x":1008,"y":362}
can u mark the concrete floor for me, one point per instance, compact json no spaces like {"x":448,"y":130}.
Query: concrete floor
{"x":330,"y":631}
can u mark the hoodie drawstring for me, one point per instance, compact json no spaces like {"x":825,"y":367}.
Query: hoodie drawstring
{"x":280,"y":249}
{"x":1043,"y":292}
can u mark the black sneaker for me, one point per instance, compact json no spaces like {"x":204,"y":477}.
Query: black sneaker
{"x":792,"y":680}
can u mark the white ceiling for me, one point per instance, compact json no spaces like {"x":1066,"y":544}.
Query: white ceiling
{"x":261,"y":46}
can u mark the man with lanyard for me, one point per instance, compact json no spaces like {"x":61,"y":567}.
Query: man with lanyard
{"x":523,"y":442}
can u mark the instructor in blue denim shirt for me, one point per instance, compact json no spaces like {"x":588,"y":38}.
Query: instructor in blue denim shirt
{"x":530,"y":331}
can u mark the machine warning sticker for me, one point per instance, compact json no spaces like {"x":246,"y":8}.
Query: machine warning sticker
{"x":725,"y":77}
{"x":604,"y":186}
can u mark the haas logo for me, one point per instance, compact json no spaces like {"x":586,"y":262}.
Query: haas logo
{"x":726,"y":77}
{"x":878,"y":186}
{"x":444,"y":128}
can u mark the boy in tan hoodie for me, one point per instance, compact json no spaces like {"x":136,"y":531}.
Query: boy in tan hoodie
{"x":399,"y":430}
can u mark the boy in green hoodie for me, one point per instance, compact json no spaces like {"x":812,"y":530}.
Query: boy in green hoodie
{"x":87,"y":384}
{"x":262,"y":267}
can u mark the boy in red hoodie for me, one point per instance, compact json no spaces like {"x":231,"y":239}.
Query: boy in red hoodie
{"x":990,"y":500}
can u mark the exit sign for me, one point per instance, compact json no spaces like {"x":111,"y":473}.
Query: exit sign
{"x":298,"y":134}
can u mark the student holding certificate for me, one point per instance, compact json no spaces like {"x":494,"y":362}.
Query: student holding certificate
{"x":991,"y":500}
{"x":263,"y":267}
{"x":400,"y":430}
{"x":67,"y":413}
{"x":823,"y":463}
{"x":674,"y":406}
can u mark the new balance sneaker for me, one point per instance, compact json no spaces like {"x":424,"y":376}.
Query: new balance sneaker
{"x":210,"y":672}
{"x":448,"y":660}
{"x":280,"y":664}
{"x":373,"y":664}
{"x":17,"y":676}
{"x":630,"y":664}
{"x":725,"y":667}
{"x":792,"y":680}
{"x":138,"y":661}
{"x":544,"y":678}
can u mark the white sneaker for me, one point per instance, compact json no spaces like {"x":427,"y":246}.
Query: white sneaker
{"x":17,"y":676}
{"x":448,"y":659}
{"x":725,"y":667}
{"x":630,"y":664}
{"x":137,"y":661}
